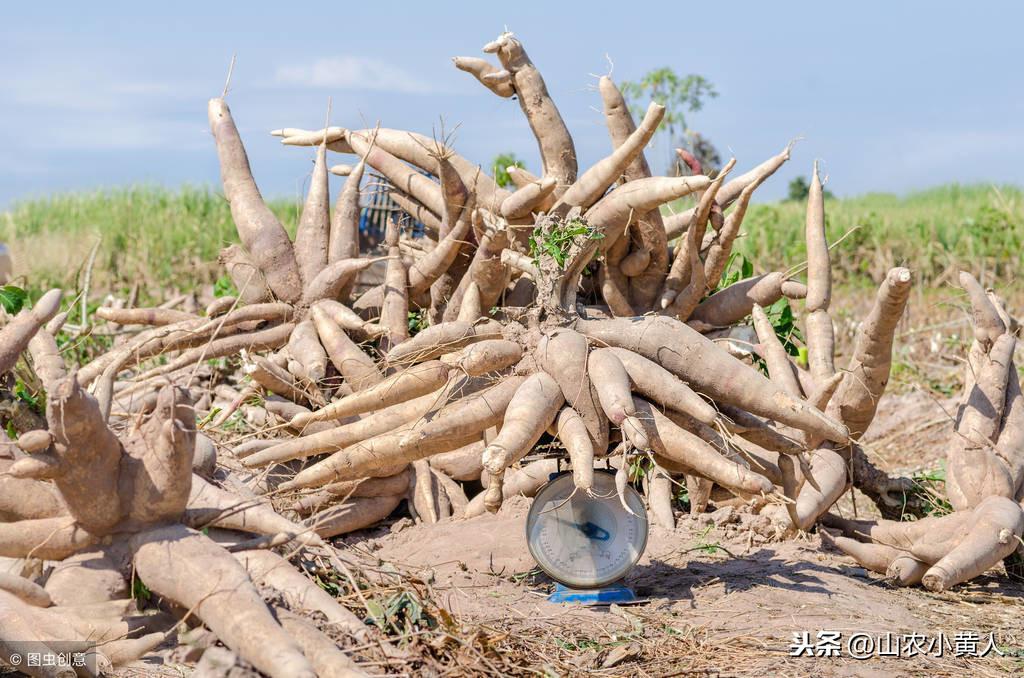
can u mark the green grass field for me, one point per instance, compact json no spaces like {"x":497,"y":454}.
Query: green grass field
{"x":161,"y":238}
{"x":170,"y":239}
{"x":934,"y":232}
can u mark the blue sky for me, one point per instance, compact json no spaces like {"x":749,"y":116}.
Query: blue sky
{"x":890,"y":96}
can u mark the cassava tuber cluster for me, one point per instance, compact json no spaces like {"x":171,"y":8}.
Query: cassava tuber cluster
{"x":570,"y":309}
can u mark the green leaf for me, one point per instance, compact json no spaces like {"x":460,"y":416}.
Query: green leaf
{"x":12,"y":298}
{"x":224,"y":287}
{"x":377,"y":612}
{"x":140,"y":591}
{"x":500,"y":167}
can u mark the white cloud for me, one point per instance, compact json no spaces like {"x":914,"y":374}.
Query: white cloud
{"x":350,"y":72}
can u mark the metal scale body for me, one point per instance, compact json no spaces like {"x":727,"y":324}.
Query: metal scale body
{"x":586,"y":543}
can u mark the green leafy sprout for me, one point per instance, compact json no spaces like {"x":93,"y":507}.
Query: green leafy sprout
{"x":557,"y":241}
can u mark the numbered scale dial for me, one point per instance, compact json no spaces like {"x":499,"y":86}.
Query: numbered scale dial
{"x":586,"y":541}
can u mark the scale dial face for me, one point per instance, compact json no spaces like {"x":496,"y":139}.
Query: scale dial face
{"x":586,"y":542}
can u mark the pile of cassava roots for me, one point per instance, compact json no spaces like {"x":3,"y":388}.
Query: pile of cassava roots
{"x":574,"y":313}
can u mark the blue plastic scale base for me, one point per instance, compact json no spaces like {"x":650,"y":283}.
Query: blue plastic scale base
{"x":616,"y":593}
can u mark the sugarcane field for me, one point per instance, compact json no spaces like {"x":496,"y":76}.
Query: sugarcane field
{"x":511,"y":341}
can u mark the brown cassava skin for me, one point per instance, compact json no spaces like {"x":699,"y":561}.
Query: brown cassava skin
{"x":612,"y":213}
{"x":262,"y":340}
{"x":708,"y":369}
{"x":525,"y":481}
{"x":1010,"y":446}
{"x":454,"y":194}
{"x":156,"y":469}
{"x":828,"y":469}
{"x":220,"y":306}
{"x":143,"y":316}
{"x":557,"y":152}
{"x":489,"y":355}
{"x":245,"y":275}
{"x":659,"y":385}
{"x":486,"y":270}
{"x":17,"y":627}
{"x":819,"y":331}
{"x":15,"y":335}
{"x":463,"y":464}
{"x":400,"y":175}
{"x":25,"y":589}
{"x":412,"y":382}
{"x":681,"y":275}
{"x":91,"y":577}
{"x":431,"y":222}
{"x":614,"y":283}
{"x":530,"y":411}
{"x":428,"y":502}
{"x":983,"y":407}
{"x":676,"y":224}
{"x":313,"y":231}
{"x":45,"y":538}
{"x":372,"y":487}
{"x":718,"y":254}
{"x":394,"y":310}
{"x":278,"y":380}
{"x":780,"y":369}
{"x":958,"y":546}
{"x":994,"y":533}
{"x":333,"y":279}
{"x":455,"y":425}
{"x":445,"y":268}
{"x":210,"y":506}
{"x":321,"y":651}
{"x":974,"y":471}
{"x":906,"y":571}
{"x":261,"y":233}
{"x":428,"y":269}
{"x":572,"y":432}
{"x":679,"y":445}
{"x":349,"y":320}
{"x":447,"y":337}
{"x":358,"y":369}
{"x":353,"y":514}
{"x":27,"y":499}
{"x":340,"y":437}
{"x":528,"y":199}
{"x":344,"y":237}
{"x":689,"y":297}
{"x":90,"y":456}
{"x":593,"y":183}
{"x":488,"y":75}
{"x":987,"y":324}
{"x":875,"y":557}
{"x":411,"y":147}
{"x":660,"y":499}
{"x":857,"y":396}
{"x":191,"y":570}
{"x":304,"y":344}
{"x":465,"y":419}
{"x":452,"y":492}
{"x":634,"y":263}
{"x":562,"y":353}
{"x":730,"y":305}
{"x":611,"y":381}
{"x":31,"y":442}
{"x":647,"y":234}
